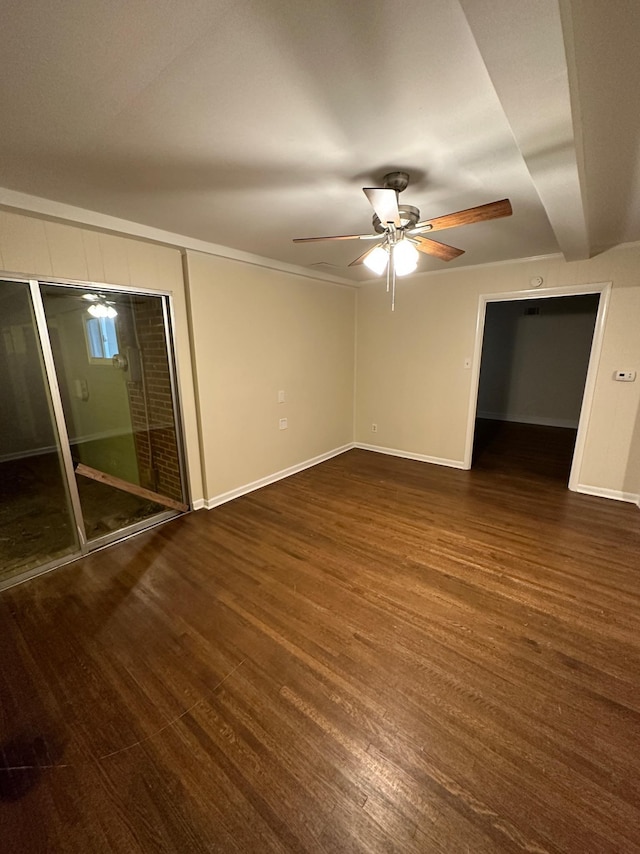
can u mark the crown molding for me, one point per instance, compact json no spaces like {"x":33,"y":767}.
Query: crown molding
{"x":551,"y":256}
{"x":23,"y":203}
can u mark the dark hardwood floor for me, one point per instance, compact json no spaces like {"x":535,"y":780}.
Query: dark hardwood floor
{"x":373,"y":655}
{"x":523,"y":451}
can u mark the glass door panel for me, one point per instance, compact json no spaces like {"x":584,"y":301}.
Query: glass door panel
{"x":112,"y":361}
{"x":37,"y":525}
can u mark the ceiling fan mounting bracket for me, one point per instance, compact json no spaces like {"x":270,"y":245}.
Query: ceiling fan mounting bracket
{"x":397,"y":181}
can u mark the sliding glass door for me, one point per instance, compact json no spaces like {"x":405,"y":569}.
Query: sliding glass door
{"x":100,"y":426}
{"x":37,"y":525}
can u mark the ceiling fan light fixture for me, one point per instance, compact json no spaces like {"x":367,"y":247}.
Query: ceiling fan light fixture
{"x":377,"y":260}
{"x":405,"y":258}
{"x":401,"y":231}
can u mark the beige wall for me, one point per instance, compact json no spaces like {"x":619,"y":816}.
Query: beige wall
{"x":411,"y":379}
{"x":257,"y":331}
{"x":30,"y":246}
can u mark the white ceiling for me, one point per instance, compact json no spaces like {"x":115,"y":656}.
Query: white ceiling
{"x":251,"y":122}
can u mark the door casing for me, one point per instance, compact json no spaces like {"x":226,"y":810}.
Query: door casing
{"x":601,"y":288}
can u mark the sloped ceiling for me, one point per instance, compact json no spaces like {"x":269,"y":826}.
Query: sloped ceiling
{"x":251,"y":122}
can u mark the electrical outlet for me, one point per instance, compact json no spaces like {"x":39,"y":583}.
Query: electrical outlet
{"x":283,"y":424}
{"x":624,"y":376}
{"x":374,"y":428}
{"x":281,"y":397}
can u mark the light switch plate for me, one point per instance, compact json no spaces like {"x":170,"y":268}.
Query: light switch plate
{"x":624,"y":376}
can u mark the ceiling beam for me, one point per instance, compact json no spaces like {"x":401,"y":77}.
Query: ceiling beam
{"x":530,"y":64}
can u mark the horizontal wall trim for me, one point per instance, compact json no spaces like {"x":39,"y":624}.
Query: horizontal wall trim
{"x":421,"y":458}
{"x":22,"y":203}
{"x":73,"y":441}
{"x":14,"y":201}
{"x":33,"y":452}
{"x":530,"y":419}
{"x":602,"y":492}
{"x":461,"y":268}
{"x":550,"y":256}
{"x":198,"y":504}
{"x":217,"y":500}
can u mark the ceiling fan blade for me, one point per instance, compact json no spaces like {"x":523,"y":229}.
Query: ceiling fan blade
{"x":384,"y":201}
{"x":337,"y":237}
{"x":360,"y":258}
{"x":440,"y":250}
{"x":481,"y":213}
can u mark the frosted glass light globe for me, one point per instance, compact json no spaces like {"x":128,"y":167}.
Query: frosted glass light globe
{"x":377,"y":260}
{"x":405,"y":258}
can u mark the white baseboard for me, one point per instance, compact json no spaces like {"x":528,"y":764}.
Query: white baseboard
{"x":615,"y":494}
{"x":421,"y":458}
{"x":530,"y":419}
{"x":210,"y":503}
{"x":217,"y":500}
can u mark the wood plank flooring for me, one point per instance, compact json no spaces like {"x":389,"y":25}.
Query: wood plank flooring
{"x":375,"y":655}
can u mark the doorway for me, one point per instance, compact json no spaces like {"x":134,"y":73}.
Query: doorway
{"x":91,"y":448}
{"x":534,"y":372}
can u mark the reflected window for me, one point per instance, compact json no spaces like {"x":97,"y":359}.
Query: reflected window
{"x":102,"y":338}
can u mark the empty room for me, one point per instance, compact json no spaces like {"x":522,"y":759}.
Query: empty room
{"x":320,"y":530}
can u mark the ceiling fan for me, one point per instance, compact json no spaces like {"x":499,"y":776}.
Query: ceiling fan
{"x":400,"y":233}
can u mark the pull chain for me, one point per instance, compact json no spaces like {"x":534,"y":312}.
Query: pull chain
{"x":392,"y":268}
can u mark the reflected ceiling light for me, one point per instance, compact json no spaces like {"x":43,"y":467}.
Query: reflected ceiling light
{"x":100,"y":309}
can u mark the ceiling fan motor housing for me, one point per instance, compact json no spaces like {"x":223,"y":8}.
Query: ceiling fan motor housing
{"x":409,"y":216}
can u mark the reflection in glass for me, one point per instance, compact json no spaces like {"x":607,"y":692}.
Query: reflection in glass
{"x":111,"y":358}
{"x":36,"y":521}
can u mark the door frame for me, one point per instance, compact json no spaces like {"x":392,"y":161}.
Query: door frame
{"x":604,"y":291}
{"x":58,"y":412}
